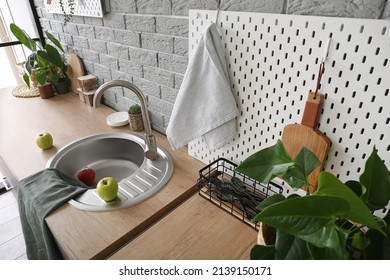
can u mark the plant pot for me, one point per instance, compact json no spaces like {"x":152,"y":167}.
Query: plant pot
{"x":46,"y":91}
{"x":266,"y":235}
{"x":135,"y":122}
{"x":62,"y":86}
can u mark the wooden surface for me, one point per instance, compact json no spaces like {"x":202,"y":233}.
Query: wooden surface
{"x":196,"y":230}
{"x":75,"y":70}
{"x":296,"y":136}
{"x":82,"y":234}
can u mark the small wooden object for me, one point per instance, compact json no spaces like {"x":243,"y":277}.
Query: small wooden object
{"x":75,"y":70}
{"x":88,"y":97}
{"x":306,"y":134}
{"x":87,"y":82}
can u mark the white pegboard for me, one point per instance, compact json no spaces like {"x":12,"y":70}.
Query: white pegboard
{"x":273,"y":62}
{"x":89,"y":8}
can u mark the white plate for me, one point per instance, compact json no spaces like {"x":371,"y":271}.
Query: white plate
{"x":118,"y":119}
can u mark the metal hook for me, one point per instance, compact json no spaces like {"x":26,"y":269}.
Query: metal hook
{"x":320,"y":72}
{"x":325,"y":56}
{"x":322,"y":66}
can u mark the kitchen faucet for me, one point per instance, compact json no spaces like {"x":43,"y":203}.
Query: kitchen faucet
{"x":150,"y":140}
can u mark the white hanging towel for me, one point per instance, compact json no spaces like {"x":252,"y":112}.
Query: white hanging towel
{"x":205,"y":105}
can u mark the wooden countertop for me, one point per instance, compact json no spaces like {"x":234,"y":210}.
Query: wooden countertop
{"x":98,"y":235}
{"x":196,"y":230}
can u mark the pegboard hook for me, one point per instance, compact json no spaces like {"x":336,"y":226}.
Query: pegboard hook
{"x":322,"y":66}
{"x":325,"y":56}
{"x":319,"y":77}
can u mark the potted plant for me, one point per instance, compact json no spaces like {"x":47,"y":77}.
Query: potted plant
{"x":135,"y":118}
{"x":336,"y":221}
{"x":44,"y":66}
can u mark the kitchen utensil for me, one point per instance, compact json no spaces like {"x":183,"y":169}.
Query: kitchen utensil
{"x":75,"y":70}
{"x":306,"y":134}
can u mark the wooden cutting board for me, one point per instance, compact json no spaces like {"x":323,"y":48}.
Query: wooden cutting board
{"x":75,"y":70}
{"x":306,"y":134}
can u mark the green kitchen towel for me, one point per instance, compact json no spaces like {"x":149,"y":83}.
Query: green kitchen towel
{"x":39,"y":195}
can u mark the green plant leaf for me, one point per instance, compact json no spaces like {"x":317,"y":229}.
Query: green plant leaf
{"x":26,"y":79}
{"x":329,"y":185}
{"x":269,"y":201}
{"x":355,"y":186}
{"x":41,"y":77}
{"x":308,"y":160}
{"x":386,"y":246}
{"x":359,"y":241}
{"x":303,"y":215}
{"x":260,"y":252}
{"x":289,"y":247}
{"x":376,"y":181}
{"x":23,"y":37}
{"x":374,"y":250}
{"x":52,"y":56}
{"x":30,"y":63}
{"x":54,"y":40}
{"x":332,"y":253}
{"x":295,"y":177}
{"x":53,"y":78}
{"x":292,"y":247}
{"x":266,"y":164}
{"x":325,"y":237}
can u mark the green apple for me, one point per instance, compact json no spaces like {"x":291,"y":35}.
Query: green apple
{"x":44,"y":141}
{"x":107,"y":189}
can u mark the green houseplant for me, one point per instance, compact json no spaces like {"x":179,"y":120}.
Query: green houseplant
{"x":135,"y":109}
{"x":45,"y":65}
{"x":336,"y":221}
{"x":135,"y":118}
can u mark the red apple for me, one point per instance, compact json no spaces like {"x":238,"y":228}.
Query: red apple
{"x":86,"y":175}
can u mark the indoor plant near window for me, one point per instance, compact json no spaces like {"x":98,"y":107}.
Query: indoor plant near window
{"x":44,"y":65}
{"x":336,"y":221}
{"x":135,"y":118}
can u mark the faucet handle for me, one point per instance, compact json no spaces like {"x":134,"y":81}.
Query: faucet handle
{"x":151,"y":147}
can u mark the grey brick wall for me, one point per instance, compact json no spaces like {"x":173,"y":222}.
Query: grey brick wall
{"x":146,"y":41}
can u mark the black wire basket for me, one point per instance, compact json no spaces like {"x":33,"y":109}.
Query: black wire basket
{"x":232,"y":191}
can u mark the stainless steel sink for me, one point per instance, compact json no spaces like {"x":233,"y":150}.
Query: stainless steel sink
{"x":118,"y":155}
